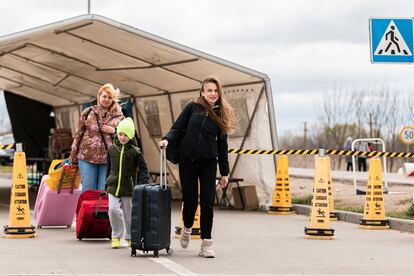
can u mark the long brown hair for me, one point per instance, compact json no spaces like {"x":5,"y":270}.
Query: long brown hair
{"x":224,"y":117}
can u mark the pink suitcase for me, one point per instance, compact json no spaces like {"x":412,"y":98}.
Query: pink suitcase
{"x":55,"y":208}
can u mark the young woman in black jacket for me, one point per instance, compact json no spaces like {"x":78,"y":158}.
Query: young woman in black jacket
{"x":206,"y":122}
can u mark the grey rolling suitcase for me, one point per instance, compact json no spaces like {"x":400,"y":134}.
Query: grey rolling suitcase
{"x":151,"y":215}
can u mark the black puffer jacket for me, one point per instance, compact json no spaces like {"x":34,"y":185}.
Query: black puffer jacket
{"x":202,"y":139}
{"x":123,"y":173}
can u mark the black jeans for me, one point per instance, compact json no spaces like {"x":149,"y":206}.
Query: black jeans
{"x":190,"y":172}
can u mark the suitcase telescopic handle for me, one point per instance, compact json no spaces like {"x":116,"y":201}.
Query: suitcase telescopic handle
{"x":163,"y":168}
{"x":99,"y":202}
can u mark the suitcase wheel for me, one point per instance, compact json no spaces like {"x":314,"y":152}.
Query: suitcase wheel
{"x":169,"y":250}
{"x":133,"y":252}
{"x":156,"y":253}
{"x":39,"y":226}
{"x":80,"y":238}
{"x":69,"y":226}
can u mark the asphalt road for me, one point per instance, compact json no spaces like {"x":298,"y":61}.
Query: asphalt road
{"x":246,"y":243}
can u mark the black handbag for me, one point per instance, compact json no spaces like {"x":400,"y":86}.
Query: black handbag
{"x":173,"y":149}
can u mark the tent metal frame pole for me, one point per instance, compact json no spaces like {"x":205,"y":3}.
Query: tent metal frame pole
{"x":180,"y":47}
{"x":157,"y":146}
{"x":247,"y":130}
{"x":73,"y":28}
{"x":197,"y":89}
{"x":12,"y":50}
{"x":171,"y":108}
{"x":98,"y":84}
{"x":96,"y":68}
{"x":128,"y":55}
{"x":45,"y":81}
{"x":61,"y":54}
{"x":149,"y":66}
{"x":136,"y":118}
{"x":224,"y":86}
{"x":38,"y":90}
{"x":61,"y":80}
{"x":272,"y":119}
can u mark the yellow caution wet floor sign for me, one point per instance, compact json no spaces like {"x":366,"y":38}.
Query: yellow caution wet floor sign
{"x":282,"y":198}
{"x":374,"y":210}
{"x":319,"y":227}
{"x":332,"y":214}
{"x":196,"y":230}
{"x":19,"y":214}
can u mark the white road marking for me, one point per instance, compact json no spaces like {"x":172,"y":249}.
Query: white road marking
{"x":173,"y":266}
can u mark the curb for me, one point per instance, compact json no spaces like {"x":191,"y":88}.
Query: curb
{"x":402,"y":225}
{"x":6,"y":175}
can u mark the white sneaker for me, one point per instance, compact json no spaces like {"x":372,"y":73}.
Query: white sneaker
{"x":206,"y":250}
{"x":185,"y":237}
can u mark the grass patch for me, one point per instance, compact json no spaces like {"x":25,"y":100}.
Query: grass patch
{"x":398,"y":214}
{"x":6,"y":169}
{"x":304,"y":200}
{"x":410,"y":210}
{"x":407,"y":214}
{"x":351,"y":209}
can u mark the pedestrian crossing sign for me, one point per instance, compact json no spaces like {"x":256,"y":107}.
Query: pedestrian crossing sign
{"x":391,"y":40}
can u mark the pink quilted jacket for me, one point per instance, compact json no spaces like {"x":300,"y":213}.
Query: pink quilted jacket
{"x":91,"y":147}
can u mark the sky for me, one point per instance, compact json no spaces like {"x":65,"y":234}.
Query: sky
{"x":304,"y":46}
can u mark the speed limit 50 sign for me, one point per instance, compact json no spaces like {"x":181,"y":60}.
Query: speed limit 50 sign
{"x":407,"y":135}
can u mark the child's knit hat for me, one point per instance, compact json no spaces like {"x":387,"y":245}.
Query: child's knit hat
{"x":126,"y":126}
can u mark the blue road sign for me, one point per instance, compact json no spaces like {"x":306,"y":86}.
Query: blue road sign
{"x":391,"y":40}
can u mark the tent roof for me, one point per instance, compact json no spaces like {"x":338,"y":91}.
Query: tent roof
{"x":64,"y":63}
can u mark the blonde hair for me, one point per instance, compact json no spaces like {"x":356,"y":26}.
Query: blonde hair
{"x":114,"y":93}
{"x":225,"y":118}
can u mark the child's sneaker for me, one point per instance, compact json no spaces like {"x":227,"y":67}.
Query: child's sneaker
{"x":206,"y":250}
{"x":116,"y":242}
{"x":185,"y":237}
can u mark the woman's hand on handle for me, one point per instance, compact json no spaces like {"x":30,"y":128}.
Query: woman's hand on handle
{"x":224,"y":181}
{"x":108,"y":129}
{"x":163,"y":143}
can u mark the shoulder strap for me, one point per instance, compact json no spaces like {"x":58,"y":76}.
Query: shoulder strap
{"x":83,"y":129}
{"x":100,"y":131}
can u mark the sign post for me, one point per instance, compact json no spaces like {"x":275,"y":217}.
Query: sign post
{"x":407,"y":136}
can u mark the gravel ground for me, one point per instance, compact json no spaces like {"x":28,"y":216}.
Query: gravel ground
{"x":399,"y":197}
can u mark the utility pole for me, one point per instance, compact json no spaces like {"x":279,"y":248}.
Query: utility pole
{"x":89,"y":6}
{"x":305,"y":130}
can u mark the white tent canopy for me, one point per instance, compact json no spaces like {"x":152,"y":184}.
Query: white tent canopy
{"x":63,"y":64}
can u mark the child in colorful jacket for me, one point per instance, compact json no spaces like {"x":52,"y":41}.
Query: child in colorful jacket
{"x":127,"y":169}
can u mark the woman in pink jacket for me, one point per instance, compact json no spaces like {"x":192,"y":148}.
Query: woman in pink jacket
{"x":97,"y":124}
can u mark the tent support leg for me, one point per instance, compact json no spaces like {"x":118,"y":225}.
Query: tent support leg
{"x":156,"y":145}
{"x":247,"y":131}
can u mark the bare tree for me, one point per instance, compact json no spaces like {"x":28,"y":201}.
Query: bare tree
{"x":377,"y":107}
{"x":385,"y":110}
{"x":334,"y":116}
{"x":358,"y":109}
{"x":409,"y":108}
